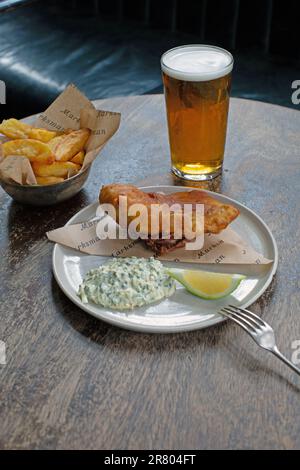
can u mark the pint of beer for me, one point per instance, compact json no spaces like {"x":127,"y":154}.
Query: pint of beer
{"x":197,"y":80}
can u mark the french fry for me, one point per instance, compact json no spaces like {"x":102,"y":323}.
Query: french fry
{"x":46,"y":180}
{"x":34,"y":150}
{"x":14,"y":129}
{"x":79,"y":157}
{"x":54,"y":143}
{"x":65,"y":147}
{"x":42,"y":135}
{"x":62,"y":169}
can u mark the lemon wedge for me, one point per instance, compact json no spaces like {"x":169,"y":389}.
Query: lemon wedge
{"x":206,"y":285}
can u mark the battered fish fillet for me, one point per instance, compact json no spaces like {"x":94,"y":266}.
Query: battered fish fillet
{"x":217,"y":216}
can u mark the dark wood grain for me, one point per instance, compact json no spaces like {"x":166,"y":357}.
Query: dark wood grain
{"x":72,"y":381}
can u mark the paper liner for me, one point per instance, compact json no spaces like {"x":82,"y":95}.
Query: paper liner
{"x":225,"y":248}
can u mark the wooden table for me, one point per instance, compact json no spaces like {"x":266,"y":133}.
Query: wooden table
{"x":72,"y":381}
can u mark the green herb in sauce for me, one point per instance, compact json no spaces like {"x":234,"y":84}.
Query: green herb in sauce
{"x":125,"y":283}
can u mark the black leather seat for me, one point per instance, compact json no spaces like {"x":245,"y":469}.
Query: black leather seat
{"x":43,"y":47}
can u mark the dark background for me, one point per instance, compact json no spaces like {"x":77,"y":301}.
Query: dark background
{"x":112,"y":47}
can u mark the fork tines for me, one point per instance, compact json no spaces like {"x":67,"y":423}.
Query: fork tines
{"x":246,"y":319}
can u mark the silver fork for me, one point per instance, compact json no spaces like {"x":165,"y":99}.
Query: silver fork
{"x":258,"y":329}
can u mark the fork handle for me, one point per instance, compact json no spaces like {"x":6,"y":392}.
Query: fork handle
{"x":278,"y":354}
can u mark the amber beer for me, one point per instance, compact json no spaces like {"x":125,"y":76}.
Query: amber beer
{"x":197,"y":82}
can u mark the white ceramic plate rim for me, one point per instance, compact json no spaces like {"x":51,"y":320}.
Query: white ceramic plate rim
{"x":122,"y":322}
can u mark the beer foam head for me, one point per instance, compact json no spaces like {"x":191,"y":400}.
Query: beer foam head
{"x":197,"y":63}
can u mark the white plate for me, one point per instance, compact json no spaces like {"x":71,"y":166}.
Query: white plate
{"x":182,"y":311}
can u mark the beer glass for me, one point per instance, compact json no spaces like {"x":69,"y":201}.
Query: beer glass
{"x":197,"y":81}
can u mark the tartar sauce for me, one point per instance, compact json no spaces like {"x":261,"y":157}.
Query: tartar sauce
{"x":125,"y":283}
